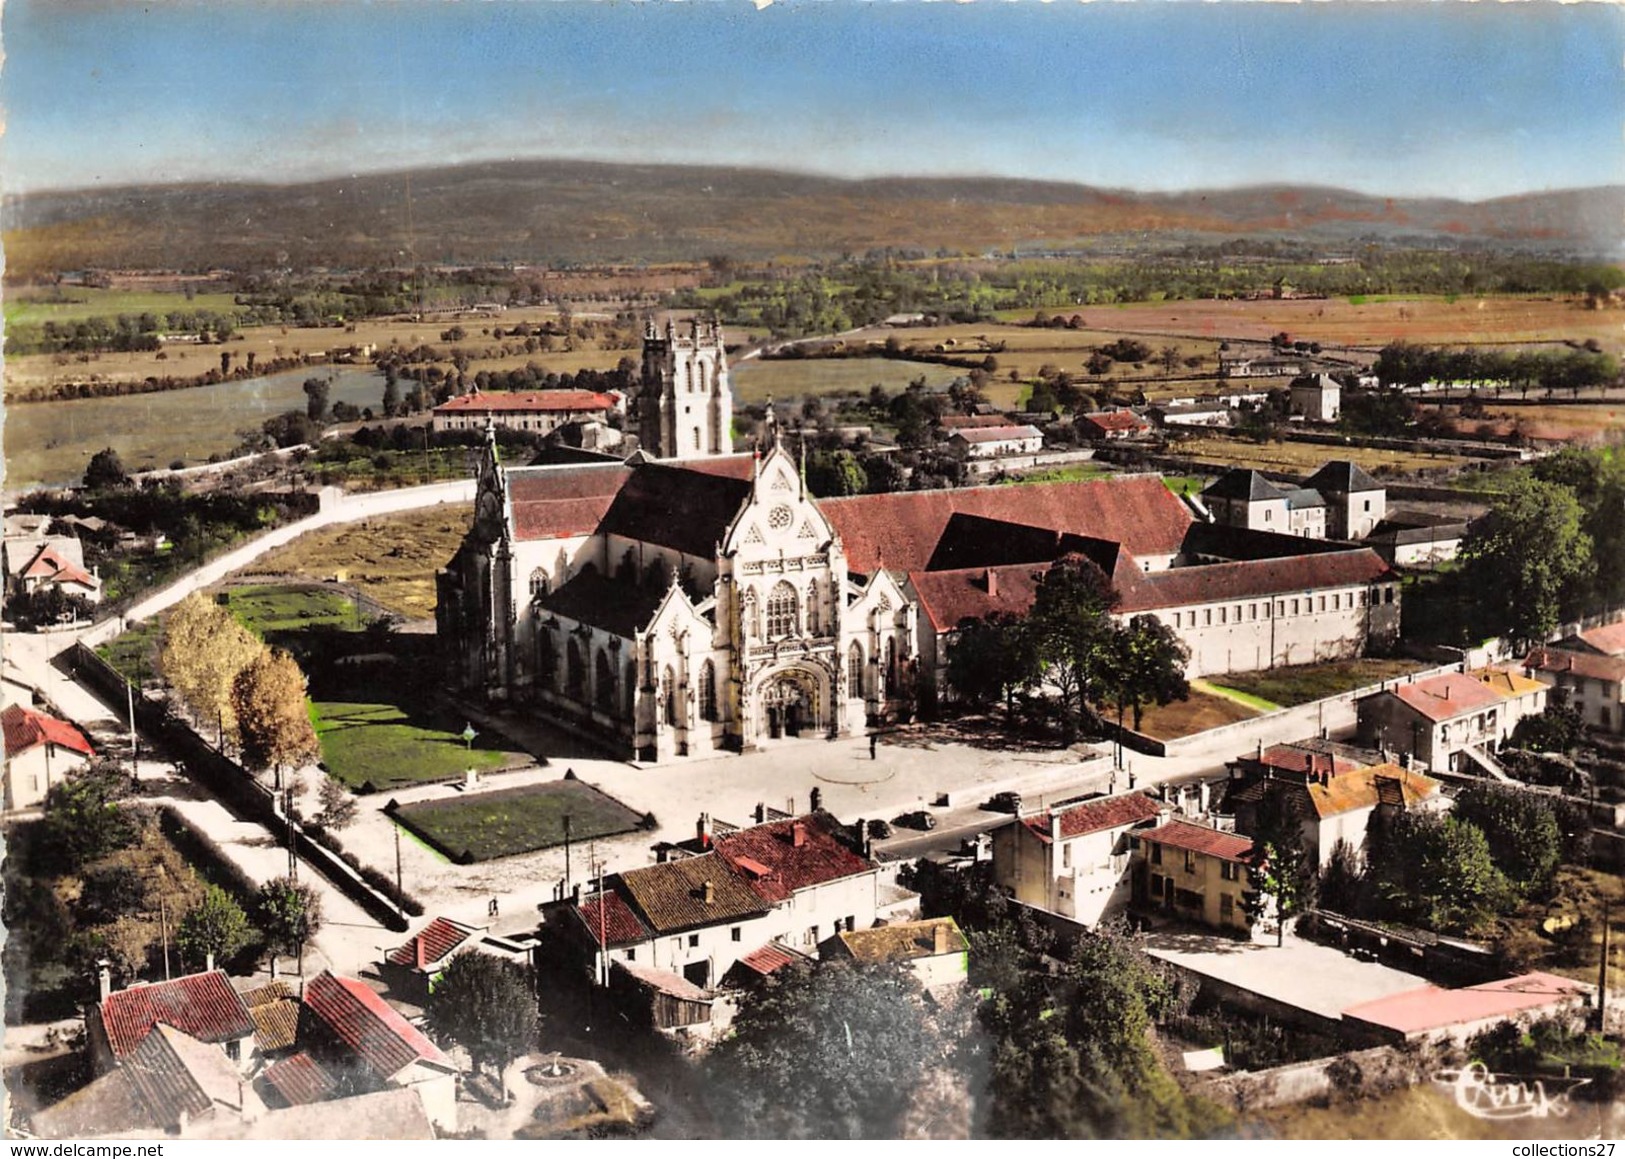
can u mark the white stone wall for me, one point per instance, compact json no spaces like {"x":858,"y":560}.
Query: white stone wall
{"x":1249,"y":634}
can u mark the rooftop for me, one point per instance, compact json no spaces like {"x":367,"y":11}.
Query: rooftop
{"x":526,"y":402}
{"x":433,"y":943}
{"x":1446,"y":696}
{"x":904,"y":942}
{"x":1342,"y":477}
{"x":1434,"y":1008}
{"x":1240,"y":483}
{"x":1586,"y":664}
{"x":1608,"y":639}
{"x":370,"y":1027}
{"x":796,"y":854}
{"x":1095,"y":816}
{"x":998,"y":434}
{"x":201,"y":1005}
{"x":690,"y":893}
{"x":25,"y":728}
{"x":1199,"y":839}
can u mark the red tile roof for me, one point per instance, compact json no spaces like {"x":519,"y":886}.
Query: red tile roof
{"x":201,"y":1005}
{"x":969,"y":422}
{"x":1297,"y":759}
{"x":621,"y":926}
{"x":949,"y":597}
{"x":1212,"y":583}
{"x":1446,"y":696}
{"x":50,"y":566}
{"x":559,"y":502}
{"x":1585,"y":664}
{"x":526,"y":401}
{"x":671,"y":897}
{"x":432,"y":943}
{"x":1608,"y":639}
{"x":770,"y":958}
{"x":1096,"y":816}
{"x":1199,"y":839}
{"x":820,"y":857}
{"x":900,"y":530}
{"x":1114,"y":420}
{"x":25,"y":728}
{"x":300,"y":1080}
{"x":166,"y":1083}
{"x":1434,"y":1008}
{"x":370,"y":1027}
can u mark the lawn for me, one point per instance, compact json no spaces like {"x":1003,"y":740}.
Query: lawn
{"x":1188,"y":717}
{"x":135,"y":653}
{"x":1246,"y":700}
{"x":1072,"y":473}
{"x":483,"y":826}
{"x":267,"y":608}
{"x":1185,"y":484}
{"x":389,"y":747}
{"x":1303,"y":683}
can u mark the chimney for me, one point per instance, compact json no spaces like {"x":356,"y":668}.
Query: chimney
{"x":104,"y":978}
{"x":798,"y":834}
{"x":702,"y":830}
{"x":418,"y":944}
{"x":1054,"y":826}
{"x":575,"y":896}
{"x":940,"y":940}
{"x":992,"y":583}
{"x":1260,"y":748}
{"x":208,"y":963}
{"x":761,"y":812}
{"x":709,"y":894}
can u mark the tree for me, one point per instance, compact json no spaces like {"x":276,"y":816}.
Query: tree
{"x":289,"y":914}
{"x":835,"y":473}
{"x":338,"y":806}
{"x":1146,"y":664}
{"x":205,"y":649}
{"x":993,"y":658}
{"x":84,"y":814}
{"x":1342,"y":882}
{"x":268,"y":697}
{"x":106,"y":471}
{"x":1435,"y":872}
{"x":1281,"y":874}
{"x":1072,"y":628}
{"x":392,"y":390}
{"x":828,"y":1053}
{"x":488,"y":1006}
{"x":316,"y":392}
{"x":1522,"y":830}
{"x":215,"y":926}
{"x":1527,"y":560}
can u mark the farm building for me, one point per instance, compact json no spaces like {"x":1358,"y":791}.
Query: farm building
{"x":539,"y":411}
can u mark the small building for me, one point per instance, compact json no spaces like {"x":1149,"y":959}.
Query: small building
{"x":1245,"y":498}
{"x":1073,"y":859}
{"x":1193,"y":872}
{"x":1356,"y":502}
{"x":58,"y":561}
{"x":972,"y":422}
{"x":1434,"y":1014}
{"x":1216,"y":413}
{"x":1437,"y":719}
{"x":996,"y":442}
{"x":1414,"y":539}
{"x":40,"y":751}
{"x":413,"y":969}
{"x":1317,"y":397}
{"x":1111,"y":425}
{"x":1333,"y":805}
{"x":1604,"y":640}
{"x":202,"y":1006}
{"x":1236,"y":365}
{"x":539,"y":411}
{"x":1593,"y":685}
{"x":934,"y":950}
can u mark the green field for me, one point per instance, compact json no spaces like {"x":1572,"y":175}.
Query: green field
{"x":389,"y":747}
{"x":267,"y":608}
{"x":1185,"y":484}
{"x":135,"y":653}
{"x":81,"y":302}
{"x":789,"y":378}
{"x":1245,"y":699}
{"x":483,"y":826}
{"x":1303,"y":683}
{"x":1071,"y":473}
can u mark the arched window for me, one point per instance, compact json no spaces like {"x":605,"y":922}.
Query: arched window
{"x":708,"y":691}
{"x":631,"y":689}
{"x":781,"y":611}
{"x":539,"y":584}
{"x":575,"y":673}
{"x":547,"y":659}
{"x":603,"y":685}
{"x":668,"y":698}
{"x":812,"y":608}
{"x":854,"y":669}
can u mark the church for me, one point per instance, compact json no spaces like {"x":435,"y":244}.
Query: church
{"x":691,"y":600}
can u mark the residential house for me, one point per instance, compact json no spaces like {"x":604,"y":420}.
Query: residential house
{"x":1194,"y":872}
{"x":981,"y":443}
{"x":951,"y":423}
{"x":40,"y":563}
{"x":40,"y":751}
{"x":1246,"y":499}
{"x":1356,"y":502}
{"x":201,"y":1006}
{"x":935,"y":950}
{"x":1417,"y":539}
{"x":1593,"y":685}
{"x":411,"y":970}
{"x":1242,"y":365}
{"x":1214,"y":413}
{"x":1604,"y":640}
{"x":1073,"y":859}
{"x":1317,"y":397}
{"x":1111,"y":425}
{"x":539,"y":411}
{"x":1438,"y":719}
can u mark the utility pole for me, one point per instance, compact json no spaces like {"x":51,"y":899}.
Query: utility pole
{"x":287,"y":817}
{"x":1602,"y":976}
{"x":163,"y":921}
{"x":567,"y":853}
{"x":129,"y":697}
{"x":399,"y":888}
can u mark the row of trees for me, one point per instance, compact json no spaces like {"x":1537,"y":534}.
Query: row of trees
{"x":1404,"y":364}
{"x":1070,"y":642}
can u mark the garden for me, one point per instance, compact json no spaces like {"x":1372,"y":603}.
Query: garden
{"x":485,"y":826}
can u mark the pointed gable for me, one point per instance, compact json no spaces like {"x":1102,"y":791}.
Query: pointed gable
{"x":686,"y":507}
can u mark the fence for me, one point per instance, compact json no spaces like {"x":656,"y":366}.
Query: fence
{"x":1361,"y":1071}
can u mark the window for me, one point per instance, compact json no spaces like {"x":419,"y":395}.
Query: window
{"x":854,"y":669}
{"x":603,"y":677}
{"x":1190,"y":861}
{"x":1156,"y":854}
{"x":1368,"y":505}
{"x":851,"y":922}
{"x":1280,"y":607}
{"x":234,"y":1050}
{"x":737,"y":934}
{"x":1294,"y":607}
{"x":1224,"y":615}
{"x":1066,"y":856}
{"x":1227,"y":907}
{"x":538,"y":584}
{"x":696,"y":438}
{"x":1387,"y":595}
{"x":1269,"y":515}
{"x":708,"y":691}
{"x":810,"y":938}
{"x":1337,"y":603}
{"x":781,"y":611}
{"x":1252,"y":611}
{"x":668,"y":698}
{"x":631,"y":953}
{"x":1363,"y":596}
{"x":1207,"y":617}
{"x":576,"y":673}
{"x":1237,"y":613}
{"x":747,"y":615}
{"x":1230,"y":870}
{"x":693,"y":941}
{"x":1323,"y":603}
{"x":812,"y":608}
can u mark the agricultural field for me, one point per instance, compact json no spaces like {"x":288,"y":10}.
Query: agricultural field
{"x":1598,"y":422}
{"x":1302,"y":683}
{"x":77,"y":303}
{"x":756,"y":380}
{"x":134,"y":653}
{"x":387,"y":746}
{"x":1072,"y":473}
{"x":392,"y":559}
{"x":501,"y":823}
{"x":1303,"y":458}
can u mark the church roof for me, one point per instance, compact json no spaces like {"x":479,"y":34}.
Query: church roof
{"x":1212,"y":583}
{"x":560,"y":502}
{"x":620,"y":607}
{"x":686,"y":507}
{"x":901,"y":530}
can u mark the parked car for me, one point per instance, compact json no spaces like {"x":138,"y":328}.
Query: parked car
{"x":918,"y":819}
{"x":1006,"y":802}
{"x":879,"y":830}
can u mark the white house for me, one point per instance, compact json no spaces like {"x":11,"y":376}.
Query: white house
{"x":1073,"y":859}
{"x":1435,"y":720}
{"x":40,"y":751}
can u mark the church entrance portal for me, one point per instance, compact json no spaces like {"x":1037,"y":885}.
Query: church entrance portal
{"x":790,"y":706}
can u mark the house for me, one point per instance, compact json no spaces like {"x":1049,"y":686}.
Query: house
{"x":538,"y":411}
{"x":1356,"y":502}
{"x":1073,"y":859}
{"x":1239,"y":365}
{"x":1317,"y":397}
{"x":1434,"y":1014}
{"x":40,"y":751}
{"x":977,"y":443}
{"x":1604,"y":640}
{"x":971,"y":422}
{"x":1437,"y":719}
{"x":35,"y":564}
{"x":1194,"y":872}
{"x":202,"y":1006}
{"x":935,"y":951}
{"x":1214,"y":413}
{"x":1108,"y":425}
{"x":1593,"y":685}
{"x":1417,"y":539}
{"x":413,"y":969}
{"x":1246,"y":499}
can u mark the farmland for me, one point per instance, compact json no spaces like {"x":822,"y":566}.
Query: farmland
{"x":1303,"y":458}
{"x":487,"y":825}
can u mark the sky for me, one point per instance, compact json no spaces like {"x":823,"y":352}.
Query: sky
{"x":1403,"y":97}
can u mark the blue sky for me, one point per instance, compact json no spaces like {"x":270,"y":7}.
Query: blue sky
{"x":1445,"y":98}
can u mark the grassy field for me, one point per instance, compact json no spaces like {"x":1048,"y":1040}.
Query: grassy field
{"x":135,"y":653}
{"x":392,"y":747}
{"x":788,"y":378}
{"x":1071,"y":473}
{"x":1419,"y":1112}
{"x":1187,"y":717}
{"x":1302,"y":683}
{"x":267,"y":608}
{"x":1185,"y":484}
{"x":392,"y":559}
{"x":1301,"y":458}
{"x":77,"y":303}
{"x":483,"y":826}
{"x":1245,"y":699}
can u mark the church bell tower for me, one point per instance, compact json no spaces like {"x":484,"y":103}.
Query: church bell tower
{"x":685,"y":404}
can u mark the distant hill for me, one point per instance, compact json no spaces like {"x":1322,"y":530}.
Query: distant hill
{"x":573,"y":211}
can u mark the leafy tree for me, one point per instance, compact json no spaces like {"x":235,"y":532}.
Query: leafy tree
{"x":289,"y":914}
{"x":835,"y":473}
{"x":106,"y":471}
{"x":1522,"y":831}
{"x":1527,"y":560}
{"x":1557,"y":729}
{"x":109,"y":893}
{"x":1437,"y":873}
{"x":205,"y":649}
{"x":488,"y":1006}
{"x":216,"y":925}
{"x":828,"y":1053}
{"x":1281,"y":873}
{"x":85,"y":817}
{"x":338,"y":806}
{"x":1342,"y":881}
{"x":993,"y":658}
{"x":316,"y":394}
{"x":1072,"y":630}
{"x":392,"y":390}
{"x":268,"y":697}
{"x":1146,"y":664}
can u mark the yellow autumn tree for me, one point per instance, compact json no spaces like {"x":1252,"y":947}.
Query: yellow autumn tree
{"x":204,"y":650}
{"x":268,"y":697}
